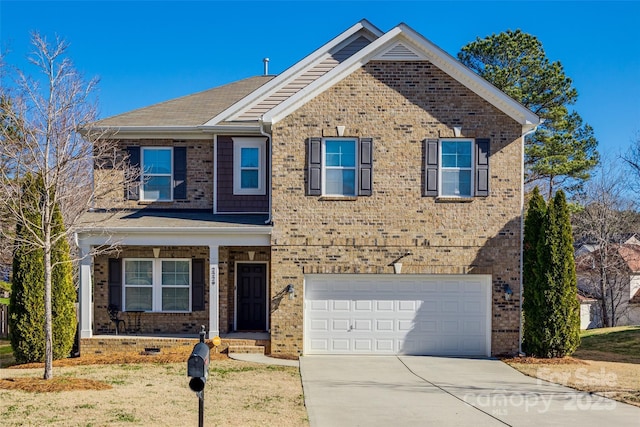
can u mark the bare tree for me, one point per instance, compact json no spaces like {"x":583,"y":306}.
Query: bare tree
{"x":605,"y":223}
{"x":44,"y":114}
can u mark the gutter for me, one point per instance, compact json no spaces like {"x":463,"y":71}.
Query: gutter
{"x":179,"y":230}
{"x":528,"y":129}
{"x":270,"y":162}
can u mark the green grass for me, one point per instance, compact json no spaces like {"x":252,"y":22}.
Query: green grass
{"x":619,"y":344}
{"x":6,"y":354}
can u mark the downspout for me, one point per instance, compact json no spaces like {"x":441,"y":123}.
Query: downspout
{"x":523,"y":136}
{"x":270,"y":163}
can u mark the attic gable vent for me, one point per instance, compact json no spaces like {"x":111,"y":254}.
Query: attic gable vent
{"x":401,"y":52}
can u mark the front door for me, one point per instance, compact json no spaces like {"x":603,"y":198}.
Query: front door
{"x":251,"y":297}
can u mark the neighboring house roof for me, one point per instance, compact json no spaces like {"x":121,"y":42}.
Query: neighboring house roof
{"x":248,"y":102}
{"x":586,"y":300}
{"x":188,"y":111}
{"x":631,"y":255}
{"x":585,"y":249}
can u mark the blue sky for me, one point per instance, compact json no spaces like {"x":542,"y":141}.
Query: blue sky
{"x":146,"y":52}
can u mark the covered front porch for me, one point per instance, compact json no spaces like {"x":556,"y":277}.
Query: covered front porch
{"x":167,"y":274}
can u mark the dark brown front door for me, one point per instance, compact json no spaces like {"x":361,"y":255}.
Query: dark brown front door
{"x":252,"y":297}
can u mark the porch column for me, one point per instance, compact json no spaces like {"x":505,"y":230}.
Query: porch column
{"x":214,"y":292}
{"x":85,"y":297}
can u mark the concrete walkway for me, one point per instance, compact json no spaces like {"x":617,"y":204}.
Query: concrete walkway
{"x":261,"y":358}
{"x":435,"y":391}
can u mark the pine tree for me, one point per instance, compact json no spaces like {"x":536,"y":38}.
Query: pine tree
{"x":26,"y":306}
{"x":63,"y":291}
{"x":533,"y":299}
{"x":560,"y":310}
{"x":27,"y":299}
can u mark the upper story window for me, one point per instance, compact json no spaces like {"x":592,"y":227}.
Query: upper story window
{"x":157,"y":284}
{"x":339,"y":157}
{"x":340,"y":167}
{"x":249,"y":166}
{"x":156,"y":173}
{"x":163,"y":173}
{"x":456,"y":168}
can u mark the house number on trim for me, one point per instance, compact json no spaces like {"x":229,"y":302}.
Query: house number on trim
{"x":213,"y":275}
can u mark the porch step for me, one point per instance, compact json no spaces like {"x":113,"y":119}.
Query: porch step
{"x":246,"y":349}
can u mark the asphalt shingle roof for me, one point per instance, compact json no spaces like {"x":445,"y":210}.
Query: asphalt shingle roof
{"x":190,"y":110}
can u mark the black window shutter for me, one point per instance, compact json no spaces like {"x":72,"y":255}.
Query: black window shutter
{"x":197,"y":285}
{"x":431,"y":160}
{"x":482,"y":167}
{"x":314,"y":169}
{"x":115,"y":282}
{"x":180,"y":173}
{"x":132,"y":188}
{"x":365,"y":167}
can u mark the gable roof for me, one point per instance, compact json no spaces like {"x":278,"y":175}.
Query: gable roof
{"x":296,"y":78}
{"x":247,"y":103}
{"x":400,"y":43}
{"x":188,"y":111}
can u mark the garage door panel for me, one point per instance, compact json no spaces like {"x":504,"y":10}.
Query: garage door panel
{"x":410,"y":306}
{"x":319,"y":305}
{"x":340,"y":324}
{"x":384,"y":305}
{"x":450,"y":307}
{"x":385,"y":345}
{"x":470,"y":327}
{"x":363,"y":345}
{"x":384,"y":325}
{"x":363,"y":305}
{"x":362,"y":325}
{"x":375,"y":314}
{"x":319,"y":325}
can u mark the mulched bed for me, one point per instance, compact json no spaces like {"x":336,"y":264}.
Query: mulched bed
{"x":551,"y":361}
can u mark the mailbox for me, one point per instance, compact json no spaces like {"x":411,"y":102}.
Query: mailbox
{"x":198,"y":367}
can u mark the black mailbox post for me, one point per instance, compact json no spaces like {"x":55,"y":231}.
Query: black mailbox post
{"x":198,"y":370}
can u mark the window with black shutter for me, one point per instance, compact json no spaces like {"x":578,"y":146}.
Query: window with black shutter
{"x":456,"y":168}
{"x":341,"y":167}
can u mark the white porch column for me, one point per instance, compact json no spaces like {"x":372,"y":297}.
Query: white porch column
{"x":214,"y":292}
{"x":85,"y":297}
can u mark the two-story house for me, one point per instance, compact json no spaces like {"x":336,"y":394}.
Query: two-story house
{"x":368,"y":200}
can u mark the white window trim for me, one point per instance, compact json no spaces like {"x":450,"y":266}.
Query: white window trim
{"x":238,"y":144}
{"x":143,"y":174}
{"x":325,"y":167}
{"x":156,"y":283}
{"x":471,"y":168}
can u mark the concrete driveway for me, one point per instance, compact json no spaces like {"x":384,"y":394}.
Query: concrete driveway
{"x":437,"y":391}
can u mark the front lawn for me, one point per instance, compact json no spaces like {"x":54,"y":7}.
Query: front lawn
{"x":6,"y":354}
{"x":152,"y":393}
{"x":620,"y":344}
{"x":607,"y":362}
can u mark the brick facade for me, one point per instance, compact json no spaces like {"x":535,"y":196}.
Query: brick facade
{"x":199,"y":177}
{"x":150,"y":323}
{"x":176,"y":323}
{"x":399,"y":105}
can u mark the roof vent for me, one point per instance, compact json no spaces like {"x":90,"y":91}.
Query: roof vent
{"x":266,"y":66}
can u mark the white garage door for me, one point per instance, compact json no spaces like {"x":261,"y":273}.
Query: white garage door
{"x":398,"y":314}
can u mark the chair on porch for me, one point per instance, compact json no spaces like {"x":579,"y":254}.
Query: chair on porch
{"x":114,"y":315}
